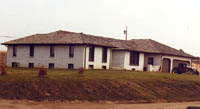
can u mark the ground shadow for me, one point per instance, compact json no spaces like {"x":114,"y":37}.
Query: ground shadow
{"x":193,"y":107}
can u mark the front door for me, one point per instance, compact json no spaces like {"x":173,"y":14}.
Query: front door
{"x":166,"y":65}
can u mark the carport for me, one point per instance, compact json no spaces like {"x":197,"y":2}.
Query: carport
{"x":169,"y":62}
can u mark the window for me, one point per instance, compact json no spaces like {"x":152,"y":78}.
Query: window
{"x":133,"y":69}
{"x":70,"y":66}
{"x":52,"y":50}
{"x":150,"y":61}
{"x":14,"y":50}
{"x":104,"y":67}
{"x":134,"y":58}
{"x":71,"y":51}
{"x":31,"y":50}
{"x":91,"y":67}
{"x":181,"y":65}
{"x":31,"y":65}
{"x":91,"y":53}
{"x":51,"y":65}
{"x":15,"y":64}
{"x":104,"y":55}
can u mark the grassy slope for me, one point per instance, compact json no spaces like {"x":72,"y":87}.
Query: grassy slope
{"x":99,"y":85}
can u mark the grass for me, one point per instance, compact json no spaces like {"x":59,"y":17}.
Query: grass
{"x":96,"y":74}
{"x":98,"y":85}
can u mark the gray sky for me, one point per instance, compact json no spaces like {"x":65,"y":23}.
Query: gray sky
{"x":172,"y":22}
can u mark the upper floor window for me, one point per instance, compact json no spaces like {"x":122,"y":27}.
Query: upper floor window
{"x":71,"y":51}
{"x":52,"y":50}
{"x":31,"y":50}
{"x":150,"y":61}
{"x":91,"y":53}
{"x":14,"y":50}
{"x":104,"y":54}
{"x":134,"y":58}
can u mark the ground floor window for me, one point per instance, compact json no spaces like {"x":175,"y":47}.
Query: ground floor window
{"x":51,"y":65}
{"x":70,"y":66}
{"x":104,"y":67}
{"x":91,"y":66}
{"x":15,"y":64}
{"x":31,"y":65}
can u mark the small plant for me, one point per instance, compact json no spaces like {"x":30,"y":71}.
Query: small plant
{"x":81,"y":71}
{"x":42,"y":72}
{"x":3,"y":70}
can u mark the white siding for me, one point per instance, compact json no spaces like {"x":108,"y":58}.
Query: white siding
{"x":127,"y":65}
{"x":157,"y":62}
{"x":118,"y":58}
{"x":121,"y":60}
{"x":97,"y":58}
{"x":42,"y":56}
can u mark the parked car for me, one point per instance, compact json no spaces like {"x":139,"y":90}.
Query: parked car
{"x":185,"y":68}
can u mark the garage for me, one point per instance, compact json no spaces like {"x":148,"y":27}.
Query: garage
{"x":177,"y":63}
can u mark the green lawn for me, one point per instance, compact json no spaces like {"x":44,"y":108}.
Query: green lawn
{"x":29,"y":74}
{"x":95,"y":85}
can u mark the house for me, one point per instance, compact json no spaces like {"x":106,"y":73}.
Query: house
{"x":147,"y":54}
{"x":3,"y":58}
{"x":63,"y":49}
{"x":196,"y":63}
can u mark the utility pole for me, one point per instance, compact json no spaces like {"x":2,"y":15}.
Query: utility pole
{"x":126,"y":32}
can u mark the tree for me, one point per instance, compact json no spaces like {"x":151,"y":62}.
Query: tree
{"x":3,"y":70}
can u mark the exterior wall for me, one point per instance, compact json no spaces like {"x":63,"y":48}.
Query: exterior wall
{"x":196,"y":64}
{"x":118,"y":58}
{"x":172,"y":58}
{"x":97,"y":58}
{"x":127,"y":65}
{"x":121,"y":60}
{"x":157,"y":62}
{"x":42,"y":56}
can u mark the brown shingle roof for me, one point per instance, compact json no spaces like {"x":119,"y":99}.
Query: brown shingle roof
{"x":151,"y":46}
{"x":65,"y":37}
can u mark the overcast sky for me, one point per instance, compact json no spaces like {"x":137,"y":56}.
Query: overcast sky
{"x":172,"y":22}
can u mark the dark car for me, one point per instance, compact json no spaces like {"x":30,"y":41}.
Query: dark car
{"x":184,"y":68}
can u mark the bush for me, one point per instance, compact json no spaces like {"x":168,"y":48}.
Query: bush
{"x":42,"y":72}
{"x":81,"y":70}
{"x":3,"y":70}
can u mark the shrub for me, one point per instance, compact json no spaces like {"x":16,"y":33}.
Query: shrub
{"x":3,"y":70}
{"x":42,"y":72}
{"x":81,"y":70}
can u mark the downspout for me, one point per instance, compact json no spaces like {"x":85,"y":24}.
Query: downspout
{"x":110,"y":61}
{"x":85,"y":57}
{"x":161,"y":64}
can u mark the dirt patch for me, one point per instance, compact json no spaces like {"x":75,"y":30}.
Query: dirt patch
{"x":100,"y":90}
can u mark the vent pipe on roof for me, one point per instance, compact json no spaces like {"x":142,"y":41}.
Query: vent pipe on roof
{"x":126,"y":32}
